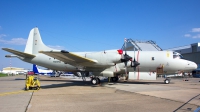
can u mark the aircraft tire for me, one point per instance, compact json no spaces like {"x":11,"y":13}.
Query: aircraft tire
{"x":114,"y":79}
{"x":95,"y":81}
{"x":167,"y":81}
{"x":26,"y":88}
{"x":99,"y":81}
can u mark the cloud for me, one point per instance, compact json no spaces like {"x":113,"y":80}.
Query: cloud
{"x":196,"y":30}
{"x":196,"y":36}
{"x":56,"y":47}
{"x":14,"y":41}
{"x":2,"y":35}
{"x":187,"y":35}
{"x":195,"y":33}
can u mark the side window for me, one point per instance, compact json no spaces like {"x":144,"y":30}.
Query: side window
{"x":176,"y":57}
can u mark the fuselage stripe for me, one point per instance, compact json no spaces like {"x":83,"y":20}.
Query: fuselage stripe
{"x":138,"y":65}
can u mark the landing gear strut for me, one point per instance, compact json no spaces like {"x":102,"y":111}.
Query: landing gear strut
{"x":114,"y":79}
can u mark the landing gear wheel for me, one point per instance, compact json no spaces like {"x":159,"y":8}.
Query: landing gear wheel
{"x":99,"y":81}
{"x":38,"y":87}
{"x":95,"y":81}
{"x":114,"y":79}
{"x":167,"y":81}
{"x":126,"y":78}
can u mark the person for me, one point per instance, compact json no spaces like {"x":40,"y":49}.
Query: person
{"x":184,"y":76}
{"x":189,"y":75}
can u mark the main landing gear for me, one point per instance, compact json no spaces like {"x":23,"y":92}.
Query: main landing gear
{"x":114,"y":79}
{"x":96,"y":80}
{"x":167,"y":81}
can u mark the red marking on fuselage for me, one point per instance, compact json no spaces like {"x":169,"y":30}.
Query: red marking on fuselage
{"x":115,"y":68}
{"x":138,"y":65}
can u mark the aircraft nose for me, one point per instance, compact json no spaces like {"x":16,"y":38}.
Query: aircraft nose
{"x":195,"y":65}
{"x":192,"y":65}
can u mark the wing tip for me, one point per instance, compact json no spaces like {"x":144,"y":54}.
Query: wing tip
{"x":4,"y":48}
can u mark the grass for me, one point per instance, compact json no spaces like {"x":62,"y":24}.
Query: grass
{"x":3,"y":75}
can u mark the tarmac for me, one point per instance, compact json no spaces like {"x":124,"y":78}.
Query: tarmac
{"x":64,"y":94}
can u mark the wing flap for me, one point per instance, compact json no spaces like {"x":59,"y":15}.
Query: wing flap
{"x":19,"y":53}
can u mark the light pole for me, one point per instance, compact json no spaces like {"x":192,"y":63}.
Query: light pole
{"x":10,"y":67}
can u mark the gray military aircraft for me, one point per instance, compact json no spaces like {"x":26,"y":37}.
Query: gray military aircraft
{"x":108,"y":63}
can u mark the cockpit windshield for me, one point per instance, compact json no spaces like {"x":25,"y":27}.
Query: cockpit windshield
{"x":177,"y":55}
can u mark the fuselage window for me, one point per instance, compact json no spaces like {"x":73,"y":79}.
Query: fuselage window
{"x":176,"y":57}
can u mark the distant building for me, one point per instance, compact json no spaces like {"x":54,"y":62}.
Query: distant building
{"x":136,"y":45}
{"x":14,"y":70}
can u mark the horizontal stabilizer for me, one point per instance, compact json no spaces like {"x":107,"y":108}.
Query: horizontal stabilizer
{"x":19,"y":53}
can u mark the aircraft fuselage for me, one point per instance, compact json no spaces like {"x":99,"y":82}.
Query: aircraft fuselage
{"x":149,"y":61}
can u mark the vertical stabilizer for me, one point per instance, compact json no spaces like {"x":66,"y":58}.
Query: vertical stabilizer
{"x":35,"y":69}
{"x":34,"y":43}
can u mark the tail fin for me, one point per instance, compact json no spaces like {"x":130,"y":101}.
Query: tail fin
{"x":35,"y":69}
{"x":34,"y":43}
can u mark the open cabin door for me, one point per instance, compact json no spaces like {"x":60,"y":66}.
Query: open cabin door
{"x":159,"y":70}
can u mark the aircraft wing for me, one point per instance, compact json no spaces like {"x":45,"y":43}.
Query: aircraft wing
{"x":70,"y":58}
{"x":19,"y":53}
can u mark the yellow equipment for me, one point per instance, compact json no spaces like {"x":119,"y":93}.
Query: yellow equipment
{"x":32,"y":82}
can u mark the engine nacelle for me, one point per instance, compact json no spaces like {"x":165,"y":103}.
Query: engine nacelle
{"x":104,"y":73}
{"x":108,"y":57}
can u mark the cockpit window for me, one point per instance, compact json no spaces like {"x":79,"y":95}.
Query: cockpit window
{"x":177,"y":55}
{"x":181,"y":56}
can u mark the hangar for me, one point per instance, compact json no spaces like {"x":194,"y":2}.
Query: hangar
{"x":141,"y":45}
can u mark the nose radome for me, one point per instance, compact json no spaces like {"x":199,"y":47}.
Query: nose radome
{"x":195,"y":65}
{"x":192,"y":65}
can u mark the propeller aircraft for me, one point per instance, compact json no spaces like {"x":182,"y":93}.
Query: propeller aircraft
{"x":108,"y":63}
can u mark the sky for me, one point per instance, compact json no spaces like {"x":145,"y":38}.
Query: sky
{"x":96,"y":25}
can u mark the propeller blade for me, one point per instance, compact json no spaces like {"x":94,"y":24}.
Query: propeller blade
{"x":125,"y":59}
{"x":134,"y":69}
{"x":134,"y":64}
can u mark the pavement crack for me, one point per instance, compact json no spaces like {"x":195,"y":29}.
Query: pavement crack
{"x":29,"y":105}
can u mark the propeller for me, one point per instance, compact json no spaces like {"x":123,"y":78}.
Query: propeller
{"x":134,"y":63}
{"x":126,"y":58}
